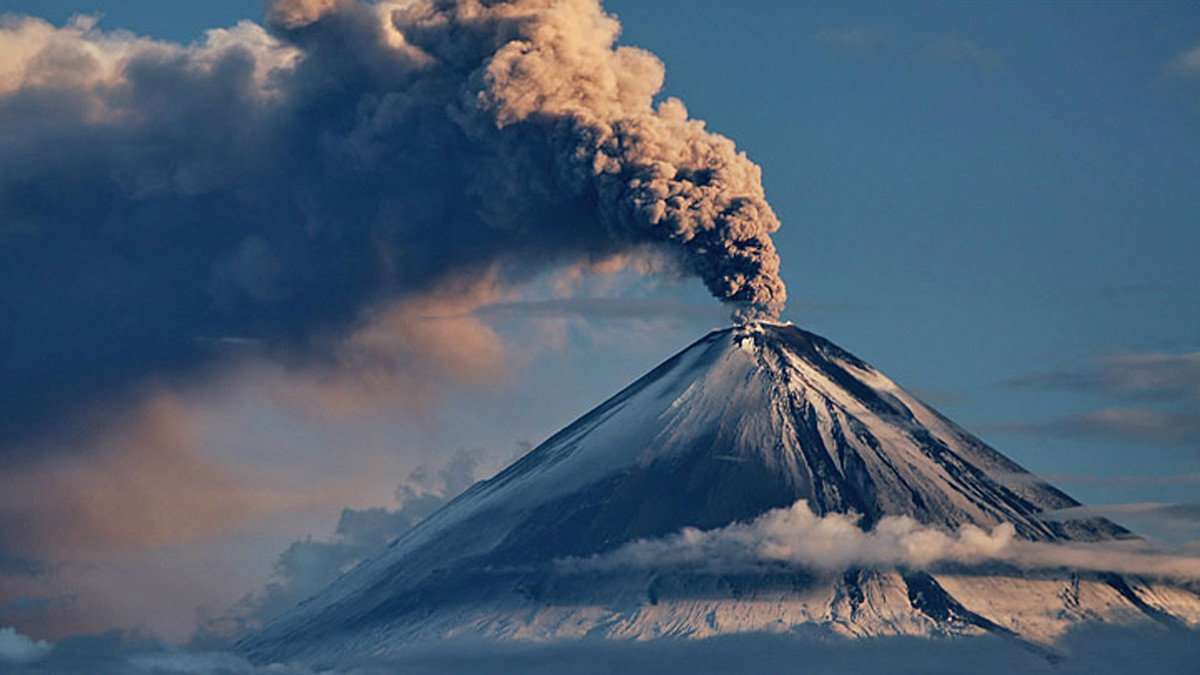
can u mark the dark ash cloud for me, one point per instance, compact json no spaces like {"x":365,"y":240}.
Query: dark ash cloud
{"x":281,"y":185}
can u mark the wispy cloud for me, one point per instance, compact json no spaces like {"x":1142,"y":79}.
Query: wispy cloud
{"x":600,"y":308}
{"x":147,"y":483}
{"x":1160,"y":376}
{"x":861,"y":40}
{"x":1175,"y":523}
{"x":1170,"y":381}
{"x":955,"y":48}
{"x":1134,"y":425}
{"x":607,"y":309}
{"x":1187,"y":63}
{"x":858,"y":40}
{"x":1139,"y":426}
{"x":1187,"y":512}
{"x":309,"y":565}
{"x":1123,"y":480}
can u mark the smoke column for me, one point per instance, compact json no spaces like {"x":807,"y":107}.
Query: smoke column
{"x":276,"y":185}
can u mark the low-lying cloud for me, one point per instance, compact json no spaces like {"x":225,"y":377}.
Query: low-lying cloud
{"x":1086,"y":650}
{"x":308,"y":566}
{"x":18,"y":648}
{"x":796,"y":536}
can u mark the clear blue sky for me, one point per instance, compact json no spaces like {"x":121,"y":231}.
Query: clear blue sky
{"x":971,"y":192}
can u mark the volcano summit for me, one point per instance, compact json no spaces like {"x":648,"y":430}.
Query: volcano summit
{"x":746,"y":424}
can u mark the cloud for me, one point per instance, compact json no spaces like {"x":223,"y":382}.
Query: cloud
{"x":150,"y":521}
{"x":1138,"y":426}
{"x":860,"y":40}
{"x":405,"y":355}
{"x":603,"y":309}
{"x":1187,"y":63}
{"x":955,"y":48}
{"x":796,"y":536}
{"x":1153,"y":376}
{"x":17,"y":648}
{"x":1172,"y":429}
{"x":286,"y":185}
{"x":146,"y":484}
{"x":1167,"y":521}
{"x":869,"y":41}
{"x":280,"y":210}
{"x":309,"y":565}
{"x":620,"y":309}
{"x":117,"y":653}
{"x":1170,"y":381}
{"x":11,"y":563}
{"x":1126,"y":480}
{"x":1089,"y":649}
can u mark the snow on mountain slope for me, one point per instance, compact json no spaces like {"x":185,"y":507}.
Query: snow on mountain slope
{"x":744,"y":421}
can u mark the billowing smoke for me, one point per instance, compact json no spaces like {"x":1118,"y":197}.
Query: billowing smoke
{"x":282,"y":185}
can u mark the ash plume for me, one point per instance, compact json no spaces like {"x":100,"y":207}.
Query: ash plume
{"x":282,"y":184}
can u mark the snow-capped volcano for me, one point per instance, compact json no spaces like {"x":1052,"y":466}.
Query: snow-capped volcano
{"x":746,"y":421}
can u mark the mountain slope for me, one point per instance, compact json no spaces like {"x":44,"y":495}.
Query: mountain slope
{"x":746,"y":420}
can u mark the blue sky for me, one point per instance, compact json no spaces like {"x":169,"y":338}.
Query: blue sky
{"x":990,"y":189}
{"x":971,"y":194}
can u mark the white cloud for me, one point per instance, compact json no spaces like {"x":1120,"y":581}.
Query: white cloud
{"x":17,"y":648}
{"x":797,"y":536}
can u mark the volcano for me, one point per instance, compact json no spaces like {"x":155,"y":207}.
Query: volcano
{"x":745,"y":421}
